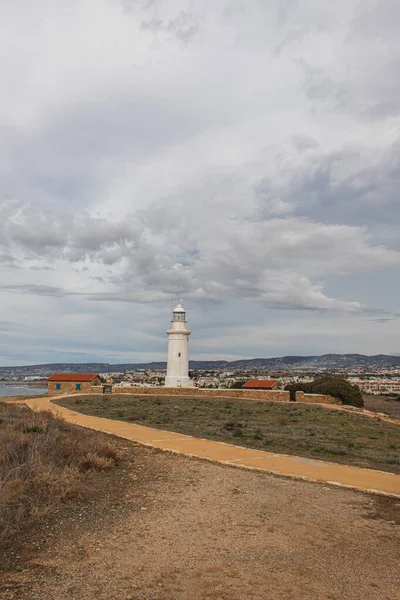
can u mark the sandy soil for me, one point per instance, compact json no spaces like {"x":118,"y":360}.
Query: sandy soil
{"x":166,"y":527}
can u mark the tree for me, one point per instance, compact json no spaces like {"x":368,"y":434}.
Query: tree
{"x":236,"y":385}
{"x":303,"y":386}
{"x":331,"y":386}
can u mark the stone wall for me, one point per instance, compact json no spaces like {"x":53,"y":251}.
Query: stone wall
{"x":69,"y":387}
{"x":263,"y":395}
{"x":316,"y":398}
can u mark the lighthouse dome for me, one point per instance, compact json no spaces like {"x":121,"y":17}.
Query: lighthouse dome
{"x":179,"y":308}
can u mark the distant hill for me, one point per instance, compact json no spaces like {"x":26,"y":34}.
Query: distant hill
{"x":329,"y":361}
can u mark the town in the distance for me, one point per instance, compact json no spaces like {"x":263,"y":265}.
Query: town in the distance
{"x":374,"y":375}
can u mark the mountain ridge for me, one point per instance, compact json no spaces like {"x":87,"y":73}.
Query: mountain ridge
{"x":334,"y":361}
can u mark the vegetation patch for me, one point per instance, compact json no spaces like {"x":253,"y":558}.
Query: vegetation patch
{"x":44,"y":462}
{"x":330,"y":386}
{"x":310,"y":431}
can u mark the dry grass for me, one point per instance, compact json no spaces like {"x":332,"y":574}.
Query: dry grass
{"x":43,"y":461}
{"x":304,"y":430}
{"x":385,"y":404}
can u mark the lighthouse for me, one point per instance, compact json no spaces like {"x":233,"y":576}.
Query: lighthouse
{"x":178,"y":350}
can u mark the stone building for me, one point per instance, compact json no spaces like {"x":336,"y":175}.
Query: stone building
{"x":72,"y":383}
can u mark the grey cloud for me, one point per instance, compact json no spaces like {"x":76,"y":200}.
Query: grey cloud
{"x":244,"y":151}
{"x":304,"y":142}
{"x":367,"y":196}
{"x":384,"y":319}
{"x":273,"y":260}
{"x":40,"y":290}
{"x":354,"y":186}
{"x":37,"y":235}
{"x":7,"y":259}
{"x":69,"y":238}
{"x":68,"y":158}
{"x":10,"y":326}
{"x":351,"y":65}
{"x":377,"y":91}
{"x":184,"y":26}
{"x":320,"y":87}
{"x":130,"y":297}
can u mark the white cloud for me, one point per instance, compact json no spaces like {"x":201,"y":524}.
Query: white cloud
{"x":220,"y":150}
{"x":272,"y":260}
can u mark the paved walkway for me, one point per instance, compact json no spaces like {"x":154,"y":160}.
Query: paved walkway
{"x":280,"y":464}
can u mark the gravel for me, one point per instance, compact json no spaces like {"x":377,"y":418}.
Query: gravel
{"x":175,"y":528}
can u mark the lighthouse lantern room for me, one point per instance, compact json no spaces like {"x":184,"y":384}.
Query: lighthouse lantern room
{"x":178,"y":350}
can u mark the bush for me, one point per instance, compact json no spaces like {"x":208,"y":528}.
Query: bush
{"x":237,"y":385}
{"x":331,"y":386}
{"x":43,"y":461}
{"x":298,"y":387}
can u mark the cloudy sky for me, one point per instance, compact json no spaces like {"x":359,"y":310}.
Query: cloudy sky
{"x":241,"y":154}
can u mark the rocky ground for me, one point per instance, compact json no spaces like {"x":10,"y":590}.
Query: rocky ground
{"x":166,"y":527}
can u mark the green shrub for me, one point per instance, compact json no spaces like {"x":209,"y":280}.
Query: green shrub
{"x":331,"y":386}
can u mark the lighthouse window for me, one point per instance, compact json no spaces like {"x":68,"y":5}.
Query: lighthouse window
{"x":179,"y":354}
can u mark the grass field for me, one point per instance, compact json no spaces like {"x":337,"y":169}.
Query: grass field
{"x":310,"y":431}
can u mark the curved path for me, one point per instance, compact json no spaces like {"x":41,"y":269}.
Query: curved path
{"x":366,"y":480}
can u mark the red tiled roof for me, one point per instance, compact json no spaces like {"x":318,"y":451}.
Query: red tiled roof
{"x":261,"y":384}
{"x":72,"y":377}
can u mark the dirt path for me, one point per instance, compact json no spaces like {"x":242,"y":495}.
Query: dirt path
{"x":292,"y":466}
{"x":175,"y":528}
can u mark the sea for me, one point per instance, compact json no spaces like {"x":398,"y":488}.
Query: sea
{"x":17,"y":389}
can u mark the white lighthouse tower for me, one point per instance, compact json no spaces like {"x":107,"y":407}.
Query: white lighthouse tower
{"x":178,"y":351}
